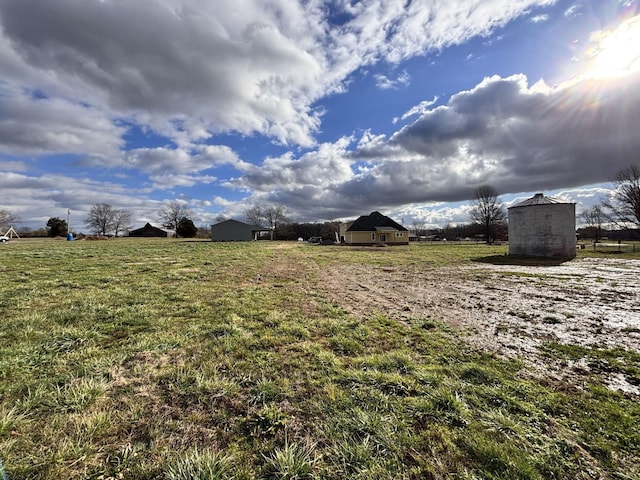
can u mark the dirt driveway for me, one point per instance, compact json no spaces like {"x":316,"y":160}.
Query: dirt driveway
{"x":510,"y":310}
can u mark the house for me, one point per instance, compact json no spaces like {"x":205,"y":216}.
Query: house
{"x":235,"y":231}
{"x":148,"y":231}
{"x":373,"y":229}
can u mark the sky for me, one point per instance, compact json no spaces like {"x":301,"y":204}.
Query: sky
{"x":331,"y":109}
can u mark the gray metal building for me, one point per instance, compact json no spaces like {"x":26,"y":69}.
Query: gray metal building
{"x":542,"y":227}
{"x":234,"y":231}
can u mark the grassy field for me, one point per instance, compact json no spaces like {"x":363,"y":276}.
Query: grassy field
{"x":170,"y":359}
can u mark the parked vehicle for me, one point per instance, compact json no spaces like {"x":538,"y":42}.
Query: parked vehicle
{"x":4,"y":239}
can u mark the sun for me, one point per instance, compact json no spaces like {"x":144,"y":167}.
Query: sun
{"x":615,"y":52}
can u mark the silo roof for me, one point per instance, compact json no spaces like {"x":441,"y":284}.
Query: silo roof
{"x":538,"y":199}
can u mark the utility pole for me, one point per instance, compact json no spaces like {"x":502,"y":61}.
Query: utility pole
{"x":68,"y":220}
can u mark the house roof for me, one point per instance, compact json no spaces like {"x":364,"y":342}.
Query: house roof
{"x":148,"y":228}
{"x":538,"y":199}
{"x":375,"y":221}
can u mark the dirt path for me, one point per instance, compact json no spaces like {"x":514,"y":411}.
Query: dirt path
{"x":508,"y":310}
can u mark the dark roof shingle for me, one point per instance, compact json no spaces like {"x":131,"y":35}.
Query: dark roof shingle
{"x":368,"y":223}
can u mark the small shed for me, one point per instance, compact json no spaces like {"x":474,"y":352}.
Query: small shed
{"x":148,"y":231}
{"x":542,"y":226}
{"x":235,"y":231}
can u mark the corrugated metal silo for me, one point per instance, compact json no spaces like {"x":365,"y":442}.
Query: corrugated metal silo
{"x":542,"y":227}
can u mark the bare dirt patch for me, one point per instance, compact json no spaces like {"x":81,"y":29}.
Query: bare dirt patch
{"x":509,"y":310}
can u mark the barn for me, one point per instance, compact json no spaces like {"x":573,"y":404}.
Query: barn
{"x":148,"y":231}
{"x":542,"y":226}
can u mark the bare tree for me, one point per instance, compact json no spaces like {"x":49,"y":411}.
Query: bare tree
{"x":488,"y":211}
{"x":419,"y":227}
{"x":269,"y":217}
{"x":171,"y":214}
{"x":274,"y":216}
{"x":623,"y":207}
{"x":254,"y":216}
{"x":6,"y":219}
{"x":121,"y":222}
{"x":100,"y":218}
{"x":594,"y":218}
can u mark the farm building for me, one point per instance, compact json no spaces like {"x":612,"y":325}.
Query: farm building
{"x":235,"y":231}
{"x":373,"y":229}
{"x":542,"y":227}
{"x":148,"y":231}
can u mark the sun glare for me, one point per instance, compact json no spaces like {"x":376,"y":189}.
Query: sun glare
{"x":616,"y":52}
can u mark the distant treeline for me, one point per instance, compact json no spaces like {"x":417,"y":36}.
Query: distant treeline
{"x":328,"y":231}
{"x":589,"y":233}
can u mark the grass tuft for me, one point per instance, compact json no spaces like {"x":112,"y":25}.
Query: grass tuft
{"x":201,"y":465}
{"x":291,"y":462}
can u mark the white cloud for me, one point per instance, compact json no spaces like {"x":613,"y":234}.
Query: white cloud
{"x":573,"y":11}
{"x":168,"y":181}
{"x":517,"y":137}
{"x":13,"y":166}
{"x":179,"y":167}
{"x":76,"y":72}
{"x":539,"y":18}
{"x":32,"y":125}
{"x":189,"y":71}
{"x":419,"y":109}
{"x":37,"y":198}
{"x":385,"y":83}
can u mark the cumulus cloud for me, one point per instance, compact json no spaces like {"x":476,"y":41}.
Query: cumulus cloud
{"x":76,"y":73}
{"x":193,"y":70}
{"x":179,"y":160}
{"x":504,"y":131}
{"x":31,"y":125}
{"x":164,"y":181}
{"x":232,"y":67}
{"x":522,"y":137}
{"x":313,"y":172}
{"x":37,"y":198}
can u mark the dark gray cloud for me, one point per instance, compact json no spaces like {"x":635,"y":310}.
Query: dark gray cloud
{"x":226,"y":68}
{"x":505,"y":132}
{"x":521,"y":137}
{"x":35,"y":126}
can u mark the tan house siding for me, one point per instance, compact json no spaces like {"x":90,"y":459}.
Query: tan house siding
{"x":374,"y":229}
{"x":400,"y":237}
{"x":358,"y":237}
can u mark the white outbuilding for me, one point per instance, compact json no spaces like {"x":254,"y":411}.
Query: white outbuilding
{"x":542,"y":226}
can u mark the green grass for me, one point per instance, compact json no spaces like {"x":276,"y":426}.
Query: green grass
{"x":169,"y":359}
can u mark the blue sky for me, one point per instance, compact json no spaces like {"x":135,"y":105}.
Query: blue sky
{"x":331,"y":109}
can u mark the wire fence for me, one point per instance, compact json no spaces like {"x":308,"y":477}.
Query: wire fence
{"x":620,"y":247}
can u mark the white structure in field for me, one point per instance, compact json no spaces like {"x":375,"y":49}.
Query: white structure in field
{"x":542,"y":227}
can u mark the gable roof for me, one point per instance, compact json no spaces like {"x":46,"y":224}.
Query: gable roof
{"x":147,"y":231}
{"x":373,"y":221}
{"x":231,"y":221}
